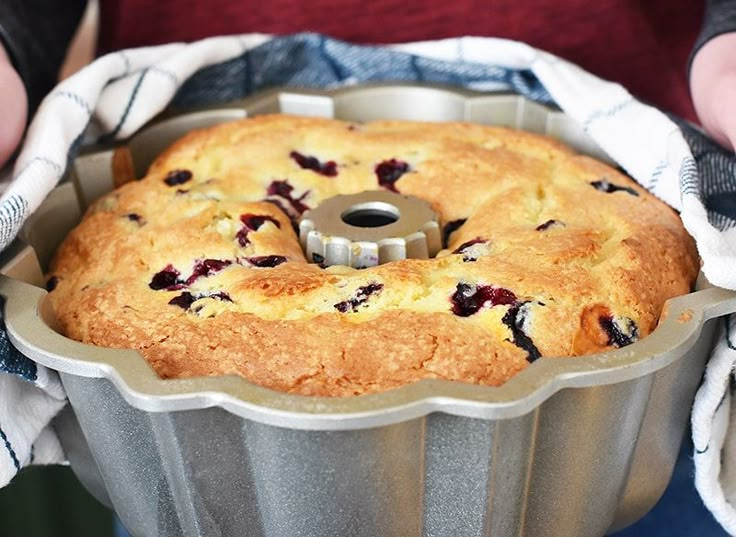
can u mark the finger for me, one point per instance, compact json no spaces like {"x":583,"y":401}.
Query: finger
{"x":728,"y":117}
{"x":713,"y":86}
{"x":718,"y":110}
{"x":13,"y":108}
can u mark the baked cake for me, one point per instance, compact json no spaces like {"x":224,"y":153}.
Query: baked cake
{"x":198,"y":266}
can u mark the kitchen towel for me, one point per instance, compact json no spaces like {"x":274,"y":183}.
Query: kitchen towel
{"x":118,"y":93}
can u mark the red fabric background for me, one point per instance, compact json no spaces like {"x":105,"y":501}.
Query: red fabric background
{"x":644,"y":44}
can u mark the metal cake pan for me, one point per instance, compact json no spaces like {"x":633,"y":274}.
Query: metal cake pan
{"x":568,"y":447}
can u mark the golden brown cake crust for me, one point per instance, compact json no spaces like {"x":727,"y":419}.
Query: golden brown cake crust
{"x":198,"y":267}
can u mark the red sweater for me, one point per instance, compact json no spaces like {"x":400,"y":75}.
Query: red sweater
{"x":644,"y":44}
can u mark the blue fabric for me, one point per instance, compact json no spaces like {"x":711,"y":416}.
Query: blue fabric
{"x":118,"y":528}
{"x":11,"y":359}
{"x":313,"y":61}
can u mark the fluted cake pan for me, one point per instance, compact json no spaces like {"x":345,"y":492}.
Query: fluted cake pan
{"x":568,"y":447}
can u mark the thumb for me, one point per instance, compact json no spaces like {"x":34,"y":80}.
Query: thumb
{"x":713,"y":86}
{"x":13,"y":108}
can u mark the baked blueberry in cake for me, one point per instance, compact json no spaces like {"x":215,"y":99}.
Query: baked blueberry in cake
{"x":547,"y":253}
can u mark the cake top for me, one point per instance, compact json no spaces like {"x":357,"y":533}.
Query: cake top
{"x":197,"y":265}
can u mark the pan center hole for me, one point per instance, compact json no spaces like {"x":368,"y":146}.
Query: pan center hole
{"x":371,"y":214}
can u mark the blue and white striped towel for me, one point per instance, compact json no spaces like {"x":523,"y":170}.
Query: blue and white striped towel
{"x":119,"y":92}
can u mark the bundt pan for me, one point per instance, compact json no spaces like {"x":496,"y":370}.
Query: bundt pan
{"x":573,"y":447}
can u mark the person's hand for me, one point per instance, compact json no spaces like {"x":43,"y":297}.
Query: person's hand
{"x":13,"y":108}
{"x":713,"y":88}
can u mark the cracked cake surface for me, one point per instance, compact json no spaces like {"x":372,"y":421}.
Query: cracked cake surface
{"x":198,"y":267}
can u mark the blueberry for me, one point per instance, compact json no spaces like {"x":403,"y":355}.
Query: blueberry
{"x":284,"y":190}
{"x":51,"y":283}
{"x":550,"y":223}
{"x":605,"y":186}
{"x":186,"y":299}
{"x":621,"y":331}
{"x":515,"y":319}
{"x":266,"y":261}
{"x":466,"y":249}
{"x":468,"y":299}
{"x":449,"y":229}
{"x":252,"y":222}
{"x":361,"y":297}
{"x":207,"y":267}
{"x":166,"y":279}
{"x":389,"y":171}
{"x":328,"y":168}
{"x":255,"y":221}
{"x":177,"y":177}
{"x":294,"y":220}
